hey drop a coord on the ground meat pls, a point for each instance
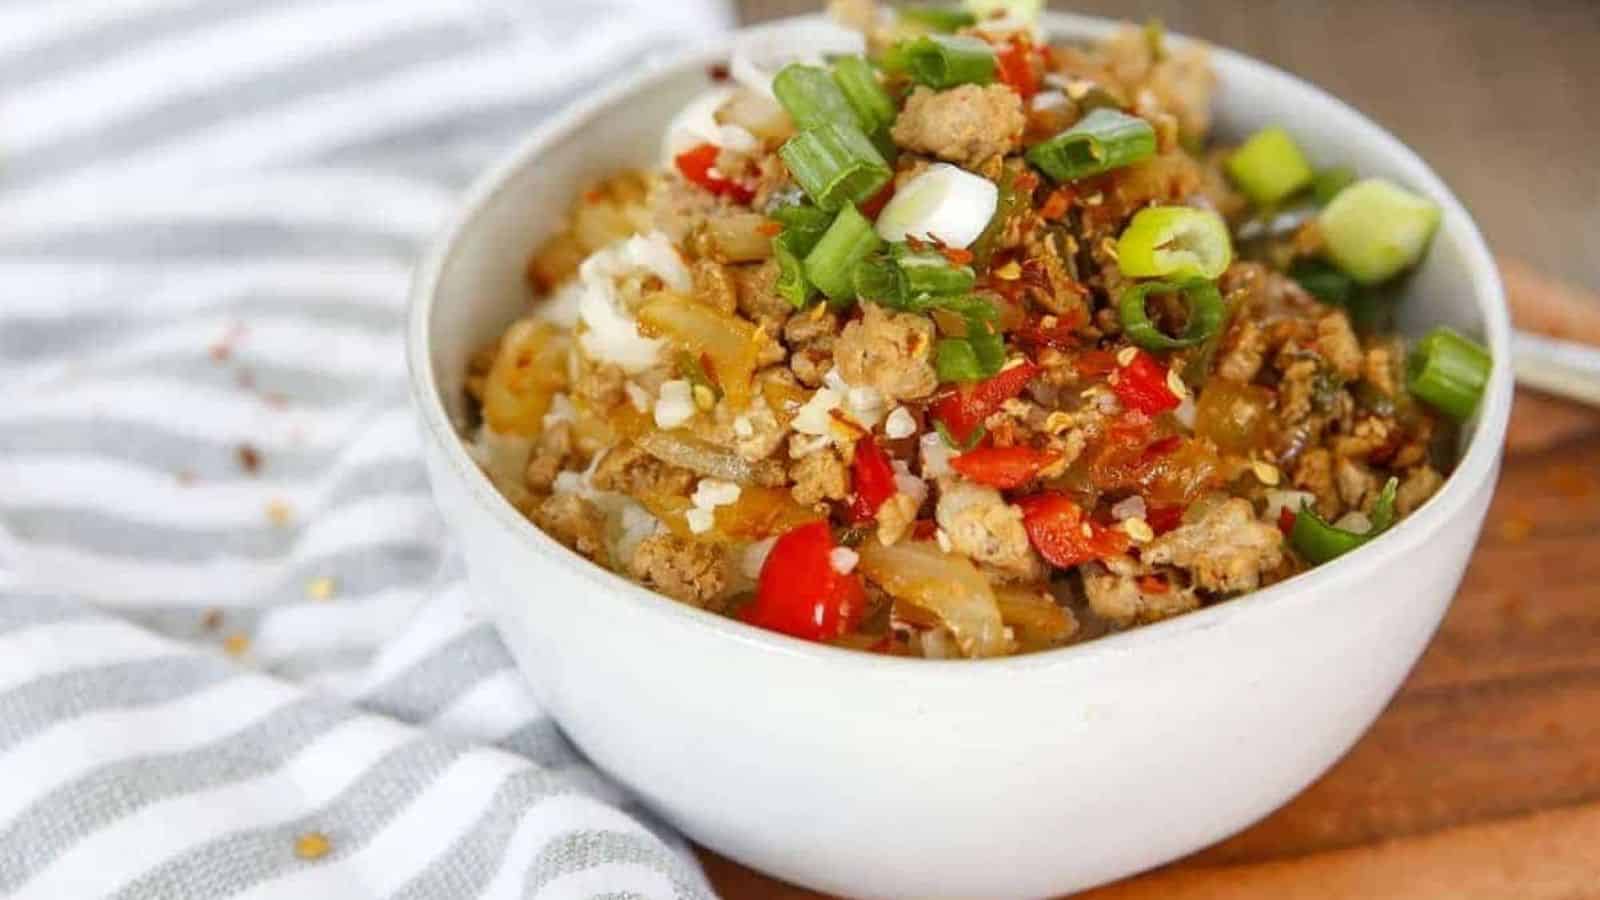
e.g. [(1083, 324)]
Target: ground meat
[(1379, 370), (599, 386), (983, 526), (819, 476), (1115, 595), (764, 432), (1227, 551), (757, 296), (684, 570), (895, 518), (714, 285), (1419, 484), (575, 522), (1243, 353), (1314, 473), (1355, 482), (630, 470), (1370, 435), (1337, 344), (811, 339), (890, 351), (967, 125), (678, 207), (550, 454)]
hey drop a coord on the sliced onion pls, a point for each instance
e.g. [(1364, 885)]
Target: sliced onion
[(680, 448), (946, 585), (758, 55), (945, 202), (697, 124)]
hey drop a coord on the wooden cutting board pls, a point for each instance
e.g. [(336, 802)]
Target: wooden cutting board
[(1482, 778)]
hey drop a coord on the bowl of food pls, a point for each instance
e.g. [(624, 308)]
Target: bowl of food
[(961, 458)]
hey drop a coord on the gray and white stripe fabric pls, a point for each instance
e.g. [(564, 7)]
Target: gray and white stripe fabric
[(230, 621)]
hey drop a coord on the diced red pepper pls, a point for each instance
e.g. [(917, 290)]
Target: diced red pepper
[(1063, 535), (878, 201), (696, 165), (1163, 519), (874, 478), (963, 409), (1286, 517), (1015, 63), (1095, 362), (1142, 385), (800, 593), (1002, 467)]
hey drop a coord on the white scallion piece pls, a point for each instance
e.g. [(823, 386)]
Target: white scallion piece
[(945, 202)]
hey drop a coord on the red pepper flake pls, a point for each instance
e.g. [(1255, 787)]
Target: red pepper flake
[(770, 228), (1057, 204), (249, 458), (1286, 517), (956, 255), (698, 166), (718, 72), (1163, 519), (1015, 64), (1153, 584), (593, 196)]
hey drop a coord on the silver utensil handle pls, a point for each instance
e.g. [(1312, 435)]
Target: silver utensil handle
[(1558, 367)]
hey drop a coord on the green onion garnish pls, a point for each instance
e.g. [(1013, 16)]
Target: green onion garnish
[(1174, 242), (973, 438), (1327, 183), (944, 60), (831, 264), (937, 18), (1448, 372), (874, 108), (1103, 140), (956, 360), (987, 345), (881, 280), (1269, 167), (1318, 542), (1374, 230), (811, 97), (1206, 312), (929, 272), (803, 226), (835, 164), (1323, 281)]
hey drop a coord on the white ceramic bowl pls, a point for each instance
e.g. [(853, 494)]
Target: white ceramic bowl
[(866, 775)]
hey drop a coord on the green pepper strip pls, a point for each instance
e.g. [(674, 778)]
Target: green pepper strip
[(1317, 541), (1206, 312)]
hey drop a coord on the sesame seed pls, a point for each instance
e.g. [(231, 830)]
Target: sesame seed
[(320, 588), (1138, 529), (278, 513), (1126, 355), (312, 845), (236, 645), (1009, 272), (1175, 384), (704, 398)]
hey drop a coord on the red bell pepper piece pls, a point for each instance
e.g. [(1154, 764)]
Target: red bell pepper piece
[(1063, 535), (878, 201), (963, 409), (799, 592), (1163, 519), (1142, 385), (696, 165), (1002, 467), (873, 477), (1015, 64)]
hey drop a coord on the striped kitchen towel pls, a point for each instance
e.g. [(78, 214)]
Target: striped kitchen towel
[(235, 655)]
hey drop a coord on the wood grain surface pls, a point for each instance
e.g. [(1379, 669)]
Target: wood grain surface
[(1482, 778)]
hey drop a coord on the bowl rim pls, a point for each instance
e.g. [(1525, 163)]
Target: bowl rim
[(1479, 463)]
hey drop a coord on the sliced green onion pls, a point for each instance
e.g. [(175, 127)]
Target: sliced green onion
[(881, 280), (1374, 230), (831, 265), (803, 226), (806, 221), (874, 108), (987, 345), (1323, 281), (955, 360), (1317, 541), (1269, 167), (1206, 312), (835, 164), (945, 60), (811, 96), (1329, 182), (1103, 140), (929, 272), (1448, 372), (1175, 242), (937, 18)]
